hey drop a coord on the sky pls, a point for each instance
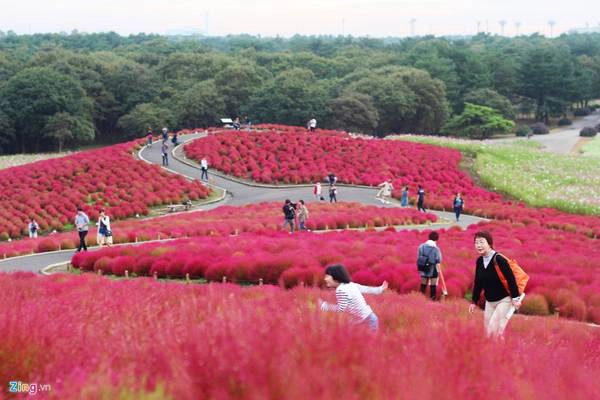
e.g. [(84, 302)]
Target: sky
[(375, 18)]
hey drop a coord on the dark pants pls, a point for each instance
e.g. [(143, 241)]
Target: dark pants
[(204, 174), (82, 245), (420, 206), (457, 211), (332, 198), (165, 159)]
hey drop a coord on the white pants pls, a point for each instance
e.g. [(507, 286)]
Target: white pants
[(495, 316)]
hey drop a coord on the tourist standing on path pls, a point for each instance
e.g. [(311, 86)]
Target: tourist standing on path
[(331, 179), (385, 192), (165, 135), (204, 168), (429, 258), (421, 199), (404, 197), (349, 297), (499, 303), (458, 205), (332, 194), (302, 215), (33, 229), (104, 232), (289, 214), (149, 135), (82, 224), (317, 190), (312, 125), (165, 153), (174, 139)]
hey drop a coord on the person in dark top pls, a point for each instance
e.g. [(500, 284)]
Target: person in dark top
[(421, 199), (499, 303), (289, 213), (331, 179), (458, 205), (429, 258)]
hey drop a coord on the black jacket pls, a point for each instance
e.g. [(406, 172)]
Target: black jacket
[(487, 279)]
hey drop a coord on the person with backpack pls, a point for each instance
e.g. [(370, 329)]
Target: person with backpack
[(494, 275), (104, 232), (332, 194), (421, 199), (404, 197), (82, 225), (458, 205), (33, 229), (349, 296), (289, 213), (429, 258)]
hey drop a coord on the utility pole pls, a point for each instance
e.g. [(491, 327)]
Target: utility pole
[(502, 23), (412, 27), (551, 23)]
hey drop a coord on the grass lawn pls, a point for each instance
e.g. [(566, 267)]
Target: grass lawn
[(521, 171), (592, 148)]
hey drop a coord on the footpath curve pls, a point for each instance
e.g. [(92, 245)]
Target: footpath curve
[(238, 193)]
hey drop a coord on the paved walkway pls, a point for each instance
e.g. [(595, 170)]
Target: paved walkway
[(238, 194)]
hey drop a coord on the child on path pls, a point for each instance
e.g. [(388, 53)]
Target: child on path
[(349, 297), (499, 303)]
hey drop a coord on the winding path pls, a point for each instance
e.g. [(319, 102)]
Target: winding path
[(238, 193)]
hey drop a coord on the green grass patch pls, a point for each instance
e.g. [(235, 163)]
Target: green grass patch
[(592, 148), (519, 170)]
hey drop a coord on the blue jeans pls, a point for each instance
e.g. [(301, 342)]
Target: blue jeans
[(372, 321)]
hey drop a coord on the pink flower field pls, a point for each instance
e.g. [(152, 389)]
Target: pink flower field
[(89, 337), (563, 266), (227, 220), (109, 178)]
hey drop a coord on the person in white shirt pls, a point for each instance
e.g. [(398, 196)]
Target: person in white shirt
[(349, 297), (312, 125), (385, 192), (204, 168), (33, 229)]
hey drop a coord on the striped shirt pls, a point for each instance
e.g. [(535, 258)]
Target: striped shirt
[(350, 299)]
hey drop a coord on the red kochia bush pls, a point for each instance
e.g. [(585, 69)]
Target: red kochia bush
[(223, 341)]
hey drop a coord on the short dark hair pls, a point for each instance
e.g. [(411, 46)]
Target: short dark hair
[(485, 235), (287, 201), (302, 201), (339, 273), (79, 208), (434, 236)]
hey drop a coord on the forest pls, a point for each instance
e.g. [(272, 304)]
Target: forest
[(64, 90)]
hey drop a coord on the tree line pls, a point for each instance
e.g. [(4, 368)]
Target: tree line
[(67, 89)]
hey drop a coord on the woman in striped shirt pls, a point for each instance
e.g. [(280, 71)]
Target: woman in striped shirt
[(349, 296)]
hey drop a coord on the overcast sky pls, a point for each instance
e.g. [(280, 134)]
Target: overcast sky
[(286, 17)]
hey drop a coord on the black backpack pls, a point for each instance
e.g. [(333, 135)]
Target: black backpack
[(423, 260), (289, 211)]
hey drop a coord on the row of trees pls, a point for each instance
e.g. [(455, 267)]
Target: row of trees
[(57, 89)]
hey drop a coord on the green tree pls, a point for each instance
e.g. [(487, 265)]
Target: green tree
[(200, 106), (62, 127), (144, 116), (237, 83), (353, 112), (492, 99), (7, 132), (478, 122)]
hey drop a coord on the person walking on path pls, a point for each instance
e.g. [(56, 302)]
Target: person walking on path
[(331, 179), (289, 214), (429, 258), (165, 154), (165, 135), (149, 135), (349, 297), (500, 303), (385, 192), (458, 205), (421, 199), (312, 124), (82, 222), (404, 197), (104, 232), (204, 168), (332, 194), (302, 215), (317, 191), (33, 229), (174, 139)]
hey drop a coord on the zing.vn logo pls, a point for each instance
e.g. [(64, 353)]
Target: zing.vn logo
[(31, 388)]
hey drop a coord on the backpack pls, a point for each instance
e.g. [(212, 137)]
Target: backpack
[(289, 211), (423, 263), (521, 276)]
